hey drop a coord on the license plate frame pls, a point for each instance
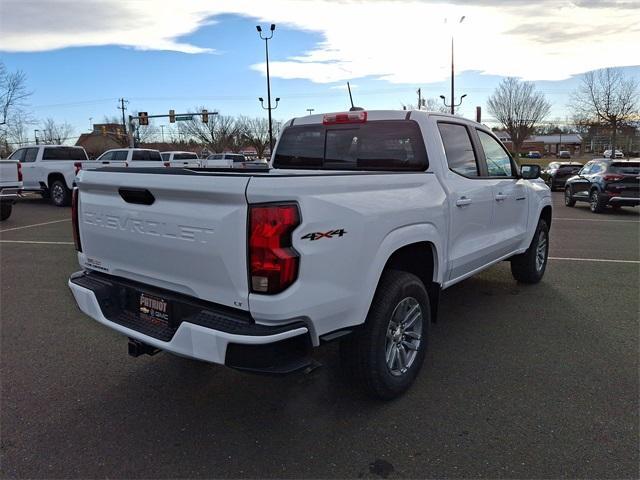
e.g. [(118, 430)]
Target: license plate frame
[(154, 309)]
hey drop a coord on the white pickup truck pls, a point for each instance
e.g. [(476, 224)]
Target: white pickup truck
[(51, 169), (10, 186), (364, 218), (180, 159), (131, 157)]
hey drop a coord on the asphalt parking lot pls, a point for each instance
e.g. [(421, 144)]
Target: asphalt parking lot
[(519, 382)]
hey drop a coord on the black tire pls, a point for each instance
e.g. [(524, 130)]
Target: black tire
[(5, 211), (596, 204), (60, 194), (529, 267), (568, 198), (364, 354)]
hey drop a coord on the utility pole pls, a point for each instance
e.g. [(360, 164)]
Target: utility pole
[(162, 129), (122, 107), (35, 134), (419, 99)]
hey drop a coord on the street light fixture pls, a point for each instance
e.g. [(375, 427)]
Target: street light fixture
[(453, 104), (311, 110), (269, 108)]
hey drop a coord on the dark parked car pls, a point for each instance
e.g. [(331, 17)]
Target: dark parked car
[(534, 154), (605, 182), (556, 174)]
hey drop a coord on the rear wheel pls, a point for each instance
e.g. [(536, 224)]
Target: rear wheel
[(530, 266), (5, 211), (568, 198), (387, 354), (596, 204), (60, 194)]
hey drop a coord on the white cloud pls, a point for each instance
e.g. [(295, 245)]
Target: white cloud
[(399, 41)]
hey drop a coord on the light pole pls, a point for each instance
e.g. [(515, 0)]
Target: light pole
[(35, 134), (453, 105), (162, 130), (266, 50), (310, 110)]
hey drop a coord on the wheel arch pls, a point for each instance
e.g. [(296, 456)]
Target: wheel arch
[(53, 176), (546, 215)]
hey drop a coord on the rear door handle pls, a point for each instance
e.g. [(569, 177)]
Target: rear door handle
[(500, 197), (462, 201)]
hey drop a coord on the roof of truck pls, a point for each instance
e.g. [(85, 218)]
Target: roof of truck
[(377, 115)]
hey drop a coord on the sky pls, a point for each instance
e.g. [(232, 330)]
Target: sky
[(80, 56)]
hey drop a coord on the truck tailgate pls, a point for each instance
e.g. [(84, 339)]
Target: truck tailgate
[(186, 234)]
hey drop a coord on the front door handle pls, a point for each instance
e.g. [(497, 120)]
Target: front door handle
[(500, 197), (462, 201)]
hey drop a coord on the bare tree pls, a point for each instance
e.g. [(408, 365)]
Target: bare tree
[(519, 108), (218, 134), (53, 133), (608, 98), (257, 134), (13, 93)]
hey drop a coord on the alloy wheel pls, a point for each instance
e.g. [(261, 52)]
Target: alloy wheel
[(404, 335)]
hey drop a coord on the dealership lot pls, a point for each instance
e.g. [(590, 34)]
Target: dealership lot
[(520, 381)]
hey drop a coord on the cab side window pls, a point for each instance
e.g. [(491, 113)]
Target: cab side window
[(107, 157), (458, 149), (18, 155), (30, 155), (498, 160)]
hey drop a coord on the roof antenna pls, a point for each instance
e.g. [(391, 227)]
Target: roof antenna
[(353, 108)]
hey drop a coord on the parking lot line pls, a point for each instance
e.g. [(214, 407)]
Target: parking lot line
[(34, 225), (593, 260), (594, 220), (36, 242)]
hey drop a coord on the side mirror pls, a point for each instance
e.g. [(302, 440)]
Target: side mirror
[(530, 172)]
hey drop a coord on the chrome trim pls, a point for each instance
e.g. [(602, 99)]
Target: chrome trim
[(624, 199)]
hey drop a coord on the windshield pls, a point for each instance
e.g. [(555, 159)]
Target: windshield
[(629, 168), (376, 145)]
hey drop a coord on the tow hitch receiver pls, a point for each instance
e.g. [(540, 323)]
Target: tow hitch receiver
[(137, 348)]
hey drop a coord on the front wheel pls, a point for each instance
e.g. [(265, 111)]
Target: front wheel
[(5, 211), (60, 194), (529, 267), (568, 198), (387, 354)]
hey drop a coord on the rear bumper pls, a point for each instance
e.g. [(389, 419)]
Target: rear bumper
[(212, 334), (9, 195)]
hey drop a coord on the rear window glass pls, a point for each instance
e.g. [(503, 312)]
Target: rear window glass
[(165, 156), (64, 153), (236, 158), (632, 168), (146, 155), (184, 156), (376, 145)]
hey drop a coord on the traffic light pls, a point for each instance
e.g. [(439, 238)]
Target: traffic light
[(205, 116), (144, 118), (172, 116)]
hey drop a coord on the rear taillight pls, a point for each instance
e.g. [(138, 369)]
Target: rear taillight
[(273, 262), (347, 117), (167, 164), (75, 205), (78, 167), (19, 165), (613, 178)]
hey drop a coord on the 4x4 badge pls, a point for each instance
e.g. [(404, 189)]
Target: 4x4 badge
[(319, 235)]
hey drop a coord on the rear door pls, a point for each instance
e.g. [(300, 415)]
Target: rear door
[(30, 174), (184, 233), (470, 202), (510, 214)]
